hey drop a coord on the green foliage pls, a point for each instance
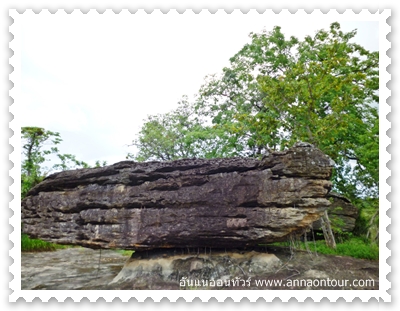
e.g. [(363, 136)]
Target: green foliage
[(351, 246), (100, 164), (37, 145), (179, 134), (354, 247), (276, 91), (367, 223), (322, 90), (68, 162), (336, 224), (36, 245), (34, 141)]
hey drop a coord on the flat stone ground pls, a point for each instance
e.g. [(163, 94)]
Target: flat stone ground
[(70, 268), (78, 268)]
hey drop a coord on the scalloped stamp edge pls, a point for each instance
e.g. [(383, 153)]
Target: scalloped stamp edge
[(380, 16)]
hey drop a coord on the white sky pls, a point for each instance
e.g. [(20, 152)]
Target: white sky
[(94, 78)]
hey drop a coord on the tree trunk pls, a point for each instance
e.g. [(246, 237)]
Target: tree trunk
[(327, 230)]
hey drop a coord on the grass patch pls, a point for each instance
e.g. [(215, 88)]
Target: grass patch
[(353, 247), (125, 252), (36, 245)]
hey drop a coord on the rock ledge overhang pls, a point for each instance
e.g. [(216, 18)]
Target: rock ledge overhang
[(231, 203)]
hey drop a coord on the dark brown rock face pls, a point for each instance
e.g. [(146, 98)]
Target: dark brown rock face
[(342, 214), (217, 203)]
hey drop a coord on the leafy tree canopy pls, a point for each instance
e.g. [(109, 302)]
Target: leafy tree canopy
[(37, 145), (277, 90), (181, 133)]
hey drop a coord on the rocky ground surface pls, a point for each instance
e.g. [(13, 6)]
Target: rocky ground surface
[(78, 268), (70, 268)]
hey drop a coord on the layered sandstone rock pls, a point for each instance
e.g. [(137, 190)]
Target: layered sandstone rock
[(217, 203)]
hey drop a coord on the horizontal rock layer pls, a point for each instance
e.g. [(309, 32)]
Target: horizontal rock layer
[(228, 203)]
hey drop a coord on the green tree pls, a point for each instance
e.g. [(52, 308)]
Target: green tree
[(181, 133), (37, 145), (322, 90)]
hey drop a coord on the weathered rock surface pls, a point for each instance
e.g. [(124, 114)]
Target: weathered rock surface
[(214, 203), (87, 269), (342, 213), (195, 268), (70, 269), (258, 268)]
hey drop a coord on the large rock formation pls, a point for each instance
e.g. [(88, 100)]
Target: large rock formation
[(218, 203)]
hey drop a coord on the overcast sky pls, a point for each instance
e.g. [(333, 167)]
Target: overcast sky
[(94, 78)]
